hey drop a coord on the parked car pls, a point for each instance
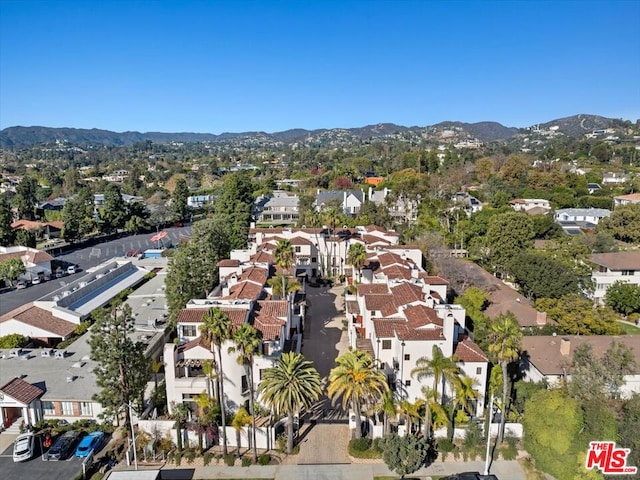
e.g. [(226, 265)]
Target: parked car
[(63, 446), (23, 447), (90, 442), (470, 476), (21, 284), (71, 269), (59, 273), (35, 280)]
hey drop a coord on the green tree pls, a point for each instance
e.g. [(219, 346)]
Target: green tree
[(618, 361), (180, 415), (540, 276), (357, 256), (356, 380), (623, 223), (14, 340), (508, 235), (114, 211), (505, 343), (552, 422), (278, 281), (623, 297), (7, 234), (193, 268), (628, 428), (179, 208), (237, 188), (247, 344), (284, 258), (577, 315), (26, 238), (241, 419), (216, 330), (122, 369), (442, 369), (11, 269), (587, 375), (404, 455), (26, 197), (293, 384)]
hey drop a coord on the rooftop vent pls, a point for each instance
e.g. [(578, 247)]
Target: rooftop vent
[(60, 353)]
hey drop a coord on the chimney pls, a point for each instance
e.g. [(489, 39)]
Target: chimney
[(565, 347), (541, 318)]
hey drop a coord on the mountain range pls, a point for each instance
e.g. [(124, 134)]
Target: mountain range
[(20, 137)]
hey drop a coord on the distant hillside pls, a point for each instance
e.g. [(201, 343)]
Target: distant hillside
[(485, 131), (20, 137)]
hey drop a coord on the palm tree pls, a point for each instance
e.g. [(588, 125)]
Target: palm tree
[(156, 366), (215, 330), (240, 420), (209, 369), (389, 408), (356, 380), (291, 385), (435, 414), (463, 394), (442, 369), (284, 258), (356, 256), (410, 411), (248, 344), (180, 415), (277, 282), (204, 405), (505, 343)]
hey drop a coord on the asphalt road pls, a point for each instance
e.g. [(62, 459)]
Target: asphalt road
[(86, 258)]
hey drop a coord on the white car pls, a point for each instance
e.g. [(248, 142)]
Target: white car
[(23, 447), (71, 269)]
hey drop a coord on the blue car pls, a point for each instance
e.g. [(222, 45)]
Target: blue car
[(88, 443)]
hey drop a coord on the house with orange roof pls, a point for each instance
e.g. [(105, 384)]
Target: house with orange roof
[(628, 199)]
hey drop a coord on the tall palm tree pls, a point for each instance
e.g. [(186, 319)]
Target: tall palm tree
[(180, 415), (389, 408), (356, 256), (215, 330), (442, 369), (291, 385), (505, 343), (248, 344), (410, 411), (204, 406), (284, 258), (290, 286), (209, 369), (463, 394), (356, 380)]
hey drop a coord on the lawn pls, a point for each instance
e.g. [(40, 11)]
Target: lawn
[(629, 329)]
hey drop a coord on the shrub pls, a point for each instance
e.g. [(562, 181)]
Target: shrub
[(190, 455), (246, 461), (13, 340), (229, 460), (509, 449), (445, 445), (206, 458), (82, 328), (177, 458), (360, 444), (264, 459)]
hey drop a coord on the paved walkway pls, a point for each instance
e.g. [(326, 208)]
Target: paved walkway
[(325, 444), (505, 470), (6, 441)]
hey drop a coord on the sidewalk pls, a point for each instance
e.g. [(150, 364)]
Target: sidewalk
[(504, 470)]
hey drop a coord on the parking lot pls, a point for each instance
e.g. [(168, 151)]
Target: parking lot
[(37, 468)]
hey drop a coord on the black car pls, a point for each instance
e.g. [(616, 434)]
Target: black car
[(63, 446), (470, 476)]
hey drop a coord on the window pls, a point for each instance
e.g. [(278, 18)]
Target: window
[(85, 409), (48, 408), (298, 249), (478, 370), (407, 383), (628, 272), (314, 259), (67, 408), (407, 357), (245, 384), (189, 331), (386, 344)]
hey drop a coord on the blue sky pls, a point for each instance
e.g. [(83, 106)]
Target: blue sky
[(216, 66)]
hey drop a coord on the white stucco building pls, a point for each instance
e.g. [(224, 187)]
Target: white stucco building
[(614, 267)]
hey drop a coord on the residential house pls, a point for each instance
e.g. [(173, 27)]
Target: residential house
[(199, 201), (614, 178), (548, 358), (614, 267), (349, 201), (526, 204), (279, 208), (574, 220), (36, 262), (467, 202), (629, 199), (117, 176), (400, 208), (43, 230)]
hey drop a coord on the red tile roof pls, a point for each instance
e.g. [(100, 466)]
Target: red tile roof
[(245, 291), (228, 263), (382, 303), (405, 292), (421, 315), (300, 241), (194, 315), (353, 307), (387, 259), (21, 391), (396, 272), (196, 342), (255, 274), (388, 328), (618, 260), (40, 318), (270, 327), (371, 239), (468, 351), (367, 288), (433, 279), (273, 308), (262, 257)]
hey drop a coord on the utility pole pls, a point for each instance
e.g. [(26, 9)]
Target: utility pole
[(490, 414)]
